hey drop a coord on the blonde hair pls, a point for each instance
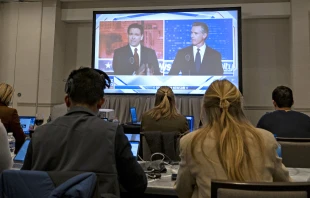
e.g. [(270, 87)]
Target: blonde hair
[(222, 102), (6, 93), (164, 104)]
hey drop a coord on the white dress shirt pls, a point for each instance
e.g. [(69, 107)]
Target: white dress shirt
[(139, 51), (201, 52)]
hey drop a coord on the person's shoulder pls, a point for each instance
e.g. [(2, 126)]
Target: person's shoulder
[(121, 49), (267, 136), (300, 114), (186, 49), (147, 49), (268, 115), (187, 139), (213, 51)]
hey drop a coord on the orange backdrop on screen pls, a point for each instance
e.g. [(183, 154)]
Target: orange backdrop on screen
[(113, 35)]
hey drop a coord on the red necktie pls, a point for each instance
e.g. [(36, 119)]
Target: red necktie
[(136, 57)]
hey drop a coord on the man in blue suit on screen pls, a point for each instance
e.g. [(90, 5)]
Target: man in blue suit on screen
[(197, 59), (134, 58)]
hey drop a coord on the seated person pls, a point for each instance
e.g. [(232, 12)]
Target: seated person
[(9, 116), (164, 116), (5, 154), (81, 141), (284, 122), (227, 148)]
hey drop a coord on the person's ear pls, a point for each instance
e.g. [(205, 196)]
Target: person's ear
[(100, 103), (204, 36), (141, 37), (67, 101), (274, 103)]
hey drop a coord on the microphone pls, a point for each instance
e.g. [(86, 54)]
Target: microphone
[(187, 57), (131, 60)]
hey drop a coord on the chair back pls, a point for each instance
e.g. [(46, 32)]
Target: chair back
[(160, 142), (224, 189), (37, 184), (295, 151)]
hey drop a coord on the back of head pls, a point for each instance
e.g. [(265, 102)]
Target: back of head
[(6, 93), (164, 104), (283, 96), (222, 103), (86, 86)]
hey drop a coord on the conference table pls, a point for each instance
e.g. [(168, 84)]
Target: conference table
[(165, 186)]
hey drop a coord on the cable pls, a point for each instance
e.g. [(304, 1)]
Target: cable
[(161, 154), (141, 158)]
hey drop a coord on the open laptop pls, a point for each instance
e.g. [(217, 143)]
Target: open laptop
[(134, 148), (27, 123), (134, 118), (133, 137), (20, 156), (190, 121)]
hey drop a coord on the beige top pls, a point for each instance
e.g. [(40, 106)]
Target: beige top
[(194, 180)]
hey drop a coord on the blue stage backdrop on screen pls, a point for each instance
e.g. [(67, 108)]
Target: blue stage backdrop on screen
[(178, 36)]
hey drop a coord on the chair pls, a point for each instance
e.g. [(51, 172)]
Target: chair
[(224, 189), (295, 152), (37, 184), (160, 142)]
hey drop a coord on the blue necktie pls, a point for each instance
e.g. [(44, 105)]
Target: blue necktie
[(197, 60)]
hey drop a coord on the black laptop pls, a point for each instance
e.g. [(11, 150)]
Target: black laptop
[(134, 148)]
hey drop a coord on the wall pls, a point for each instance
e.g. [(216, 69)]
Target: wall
[(20, 51), (266, 53), (275, 48), (32, 58)]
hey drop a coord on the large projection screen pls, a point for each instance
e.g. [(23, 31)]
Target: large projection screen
[(186, 49)]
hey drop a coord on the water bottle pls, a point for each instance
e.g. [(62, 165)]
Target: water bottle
[(11, 140)]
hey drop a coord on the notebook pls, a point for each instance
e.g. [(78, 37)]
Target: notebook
[(190, 121), (134, 118), (134, 147), (27, 123), (20, 156)]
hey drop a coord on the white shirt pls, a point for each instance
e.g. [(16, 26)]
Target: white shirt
[(201, 52), (139, 51)]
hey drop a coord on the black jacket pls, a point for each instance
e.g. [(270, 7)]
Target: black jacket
[(184, 62), (123, 60), (80, 141)]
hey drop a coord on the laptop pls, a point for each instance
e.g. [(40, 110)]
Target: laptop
[(134, 118), (133, 137), (20, 156), (134, 148), (190, 121), (27, 123)]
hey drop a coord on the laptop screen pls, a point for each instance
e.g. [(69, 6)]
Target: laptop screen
[(133, 137), (20, 157), (134, 147), (27, 123), (190, 121), (133, 114)]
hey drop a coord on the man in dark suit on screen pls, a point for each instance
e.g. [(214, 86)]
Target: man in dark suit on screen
[(197, 59), (134, 58)]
